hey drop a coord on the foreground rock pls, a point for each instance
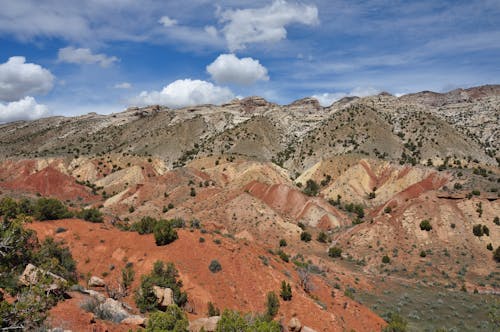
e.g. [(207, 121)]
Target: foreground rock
[(204, 324), (33, 275), (96, 282), (165, 296)]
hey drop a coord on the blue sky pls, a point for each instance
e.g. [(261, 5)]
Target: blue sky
[(74, 57)]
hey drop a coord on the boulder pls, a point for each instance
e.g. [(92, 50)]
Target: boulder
[(96, 282), (134, 320), (165, 296), (114, 310), (307, 329), (294, 325), (32, 275), (93, 293), (208, 324)]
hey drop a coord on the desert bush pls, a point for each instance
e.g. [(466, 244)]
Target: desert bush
[(173, 319), (55, 257), (496, 254), (480, 230), (396, 323), (128, 275), (283, 243), (233, 321), (215, 266), (312, 188), (51, 209), (272, 305), (386, 259), (8, 208), (425, 225), (335, 252), (322, 237), (164, 232), (162, 275), (144, 226), (286, 291), (284, 256), (305, 236), (92, 215), (212, 310)]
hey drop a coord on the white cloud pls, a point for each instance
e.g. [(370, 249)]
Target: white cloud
[(326, 99), (183, 93), (19, 79), (124, 85), (266, 24), (24, 109), (211, 31), (167, 21), (228, 68), (84, 56)]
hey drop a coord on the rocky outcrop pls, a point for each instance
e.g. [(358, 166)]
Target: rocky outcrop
[(96, 282), (165, 296), (294, 325), (207, 324), (33, 275)]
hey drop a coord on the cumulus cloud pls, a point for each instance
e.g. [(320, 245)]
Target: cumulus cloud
[(326, 99), (124, 85), (228, 68), (167, 21), (84, 56), (266, 24), (19, 79), (183, 93), (24, 109)]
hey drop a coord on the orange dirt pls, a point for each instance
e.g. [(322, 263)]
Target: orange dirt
[(242, 284), (23, 176)]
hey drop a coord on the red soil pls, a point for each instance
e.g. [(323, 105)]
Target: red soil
[(242, 284), (290, 201), (22, 176)]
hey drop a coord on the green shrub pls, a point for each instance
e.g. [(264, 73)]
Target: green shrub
[(335, 252), (305, 236), (54, 257), (51, 209), (92, 215), (164, 232), (312, 188), (322, 237), (213, 310), (144, 226), (496, 254), (173, 319), (425, 225), (386, 259), (233, 321), (162, 276), (128, 275), (480, 230), (272, 305), (283, 243), (286, 291), (388, 209), (396, 323), (284, 256), (215, 266), (8, 208), (32, 303), (423, 253), (489, 246)]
